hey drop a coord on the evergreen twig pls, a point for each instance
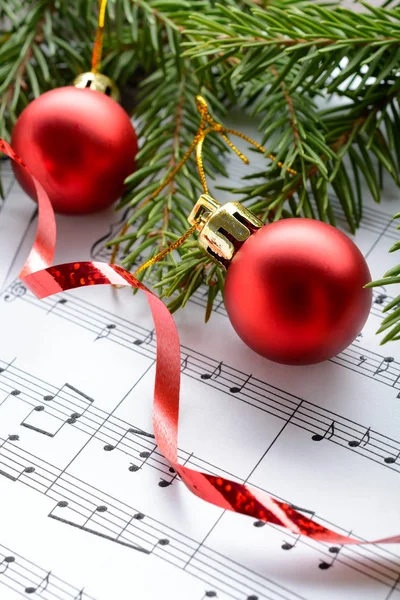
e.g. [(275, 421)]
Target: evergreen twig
[(277, 59)]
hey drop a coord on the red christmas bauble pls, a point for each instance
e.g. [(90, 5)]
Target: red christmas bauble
[(80, 145), (294, 291)]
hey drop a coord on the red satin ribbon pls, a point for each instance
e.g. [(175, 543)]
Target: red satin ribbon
[(44, 280)]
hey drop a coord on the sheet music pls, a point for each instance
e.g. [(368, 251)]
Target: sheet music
[(89, 507)]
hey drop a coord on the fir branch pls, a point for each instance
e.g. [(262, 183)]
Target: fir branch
[(171, 98), (276, 58)]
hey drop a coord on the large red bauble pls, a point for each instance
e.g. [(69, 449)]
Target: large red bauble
[(294, 291), (80, 145)]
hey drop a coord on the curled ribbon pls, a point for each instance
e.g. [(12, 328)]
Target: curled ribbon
[(44, 280)]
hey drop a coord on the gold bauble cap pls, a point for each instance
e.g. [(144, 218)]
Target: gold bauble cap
[(222, 228), (99, 83)]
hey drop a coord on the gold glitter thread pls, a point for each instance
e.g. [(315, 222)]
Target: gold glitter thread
[(197, 145), (173, 172), (199, 162), (168, 250), (98, 43)]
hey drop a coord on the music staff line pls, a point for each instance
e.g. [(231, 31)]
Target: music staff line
[(130, 527), (61, 404), (26, 578), (48, 479), (361, 360), (97, 320), (154, 542), (279, 404), (217, 366), (99, 338)]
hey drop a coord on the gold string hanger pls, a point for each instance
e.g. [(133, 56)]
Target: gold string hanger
[(94, 79), (99, 39), (207, 125)]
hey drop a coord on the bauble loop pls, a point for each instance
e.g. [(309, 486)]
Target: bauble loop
[(295, 291), (80, 145)]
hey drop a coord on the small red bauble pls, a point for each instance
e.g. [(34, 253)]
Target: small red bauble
[(295, 292), (80, 144)]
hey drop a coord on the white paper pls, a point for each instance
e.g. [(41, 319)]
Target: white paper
[(88, 506)]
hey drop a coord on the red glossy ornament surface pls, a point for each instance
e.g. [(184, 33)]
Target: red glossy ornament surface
[(80, 144), (294, 291)]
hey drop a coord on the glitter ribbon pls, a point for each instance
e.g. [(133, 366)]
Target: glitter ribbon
[(44, 280)]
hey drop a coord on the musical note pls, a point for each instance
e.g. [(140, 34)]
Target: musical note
[(210, 594), (60, 504), (259, 523), (12, 393), (162, 542), (147, 340), (252, 597), (60, 302), (216, 373), (105, 332), (50, 425), (138, 516), (237, 389), (184, 364), (50, 397), (328, 433), (324, 565), (111, 447), (390, 460), (288, 546), (364, 440), (362, 360), (7, 561), (10, 438), (380, 299), (133, 468), (99, 509), (41, 587), (73, 418), (133, 431), (163, 483), (39, 408), (25, 470), (384, 365)]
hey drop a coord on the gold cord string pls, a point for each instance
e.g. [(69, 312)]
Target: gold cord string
[(197, 145), (167, 250), (98, 42)]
